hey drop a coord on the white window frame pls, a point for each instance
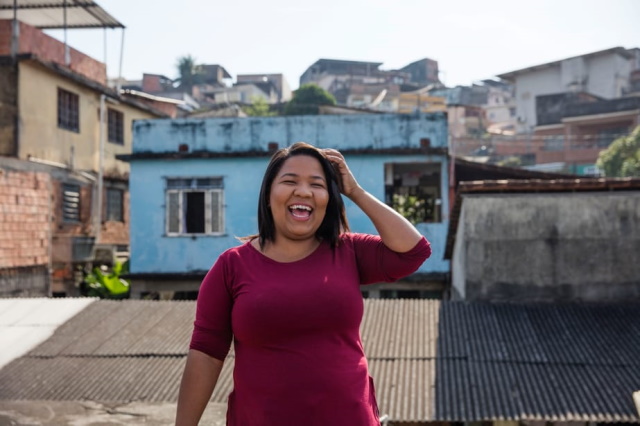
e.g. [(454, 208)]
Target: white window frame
[(209, 228)]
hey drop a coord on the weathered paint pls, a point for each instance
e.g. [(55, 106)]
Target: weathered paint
[(38, 106), (376, 131), (154, 252), (548, 247)]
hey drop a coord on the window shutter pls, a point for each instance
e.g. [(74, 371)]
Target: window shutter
[(216, 213), (173, 212)]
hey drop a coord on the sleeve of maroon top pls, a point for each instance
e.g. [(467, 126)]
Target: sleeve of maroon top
[(212, 328), (376, 262)]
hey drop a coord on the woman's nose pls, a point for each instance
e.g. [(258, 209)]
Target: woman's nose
[(302, 191)]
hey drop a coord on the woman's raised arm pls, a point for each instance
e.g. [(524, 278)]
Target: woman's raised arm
[(396, 232)]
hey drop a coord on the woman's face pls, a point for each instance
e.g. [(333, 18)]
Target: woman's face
[(299, 198)]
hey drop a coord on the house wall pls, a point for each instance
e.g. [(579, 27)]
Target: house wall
[(241, 135), (608, 75), (25, 208), (33, 40), (549, 247), (540, 82), (40, 136), (153, 252)]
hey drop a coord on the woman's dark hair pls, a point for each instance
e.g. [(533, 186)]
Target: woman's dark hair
[(335, 219)]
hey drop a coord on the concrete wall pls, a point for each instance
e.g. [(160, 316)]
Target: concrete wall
[(25, 239), (549, 247), (41, 137), (154, 252), (238, 135)]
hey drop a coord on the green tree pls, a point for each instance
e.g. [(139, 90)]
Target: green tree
[(622, 158), (306, 100), (188, 74), (258, 108)]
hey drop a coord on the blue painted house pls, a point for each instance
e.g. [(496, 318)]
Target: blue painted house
[(194, 187)]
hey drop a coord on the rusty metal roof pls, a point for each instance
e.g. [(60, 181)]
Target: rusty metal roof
[(431, 360), (49, 14)]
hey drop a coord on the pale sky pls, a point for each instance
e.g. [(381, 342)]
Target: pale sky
[(471, 39)]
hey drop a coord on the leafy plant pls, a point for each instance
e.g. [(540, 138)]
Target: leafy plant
[(307, 99), (622, 158), (105, 284), (412, 208), (259, 108)]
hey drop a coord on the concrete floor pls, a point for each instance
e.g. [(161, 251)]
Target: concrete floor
[(89, 413)]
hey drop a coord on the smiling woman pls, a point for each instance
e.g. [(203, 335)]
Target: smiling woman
[(289, 298)]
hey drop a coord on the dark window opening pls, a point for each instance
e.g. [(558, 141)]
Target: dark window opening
[(68, 111), (115, 125), (413, 190), (115, 210), (194, 212)]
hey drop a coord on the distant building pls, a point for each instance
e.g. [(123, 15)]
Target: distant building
[(607, 74), (363, 84), (278, 81), (574, 127), (158, 91), (423, 72)]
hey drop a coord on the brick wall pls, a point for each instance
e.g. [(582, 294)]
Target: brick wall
[(116, 233), (24, 232), (47, 48)]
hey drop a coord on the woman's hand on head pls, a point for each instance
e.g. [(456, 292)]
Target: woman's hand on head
[(348, 184)]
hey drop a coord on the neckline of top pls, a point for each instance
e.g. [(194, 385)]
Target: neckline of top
[(277, 262)]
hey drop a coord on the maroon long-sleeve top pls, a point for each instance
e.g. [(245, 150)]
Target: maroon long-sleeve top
[(299, 358)]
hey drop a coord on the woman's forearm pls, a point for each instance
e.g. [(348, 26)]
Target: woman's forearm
[(198, 381), (396, 232)]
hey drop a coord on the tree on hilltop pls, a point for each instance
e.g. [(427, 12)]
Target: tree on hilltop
[(259, 108), (188, 73), (307, 99)]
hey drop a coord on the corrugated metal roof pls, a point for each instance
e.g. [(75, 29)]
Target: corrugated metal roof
[(25, 323), (124, 328), (431, 360), (49, 14), (561, 362)]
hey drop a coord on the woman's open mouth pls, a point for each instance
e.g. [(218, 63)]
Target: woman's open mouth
[(300, 211)]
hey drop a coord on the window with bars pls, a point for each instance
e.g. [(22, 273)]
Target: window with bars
[(115, 207), (115, 126), (70, 203), (194, 206), (68, 111)]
